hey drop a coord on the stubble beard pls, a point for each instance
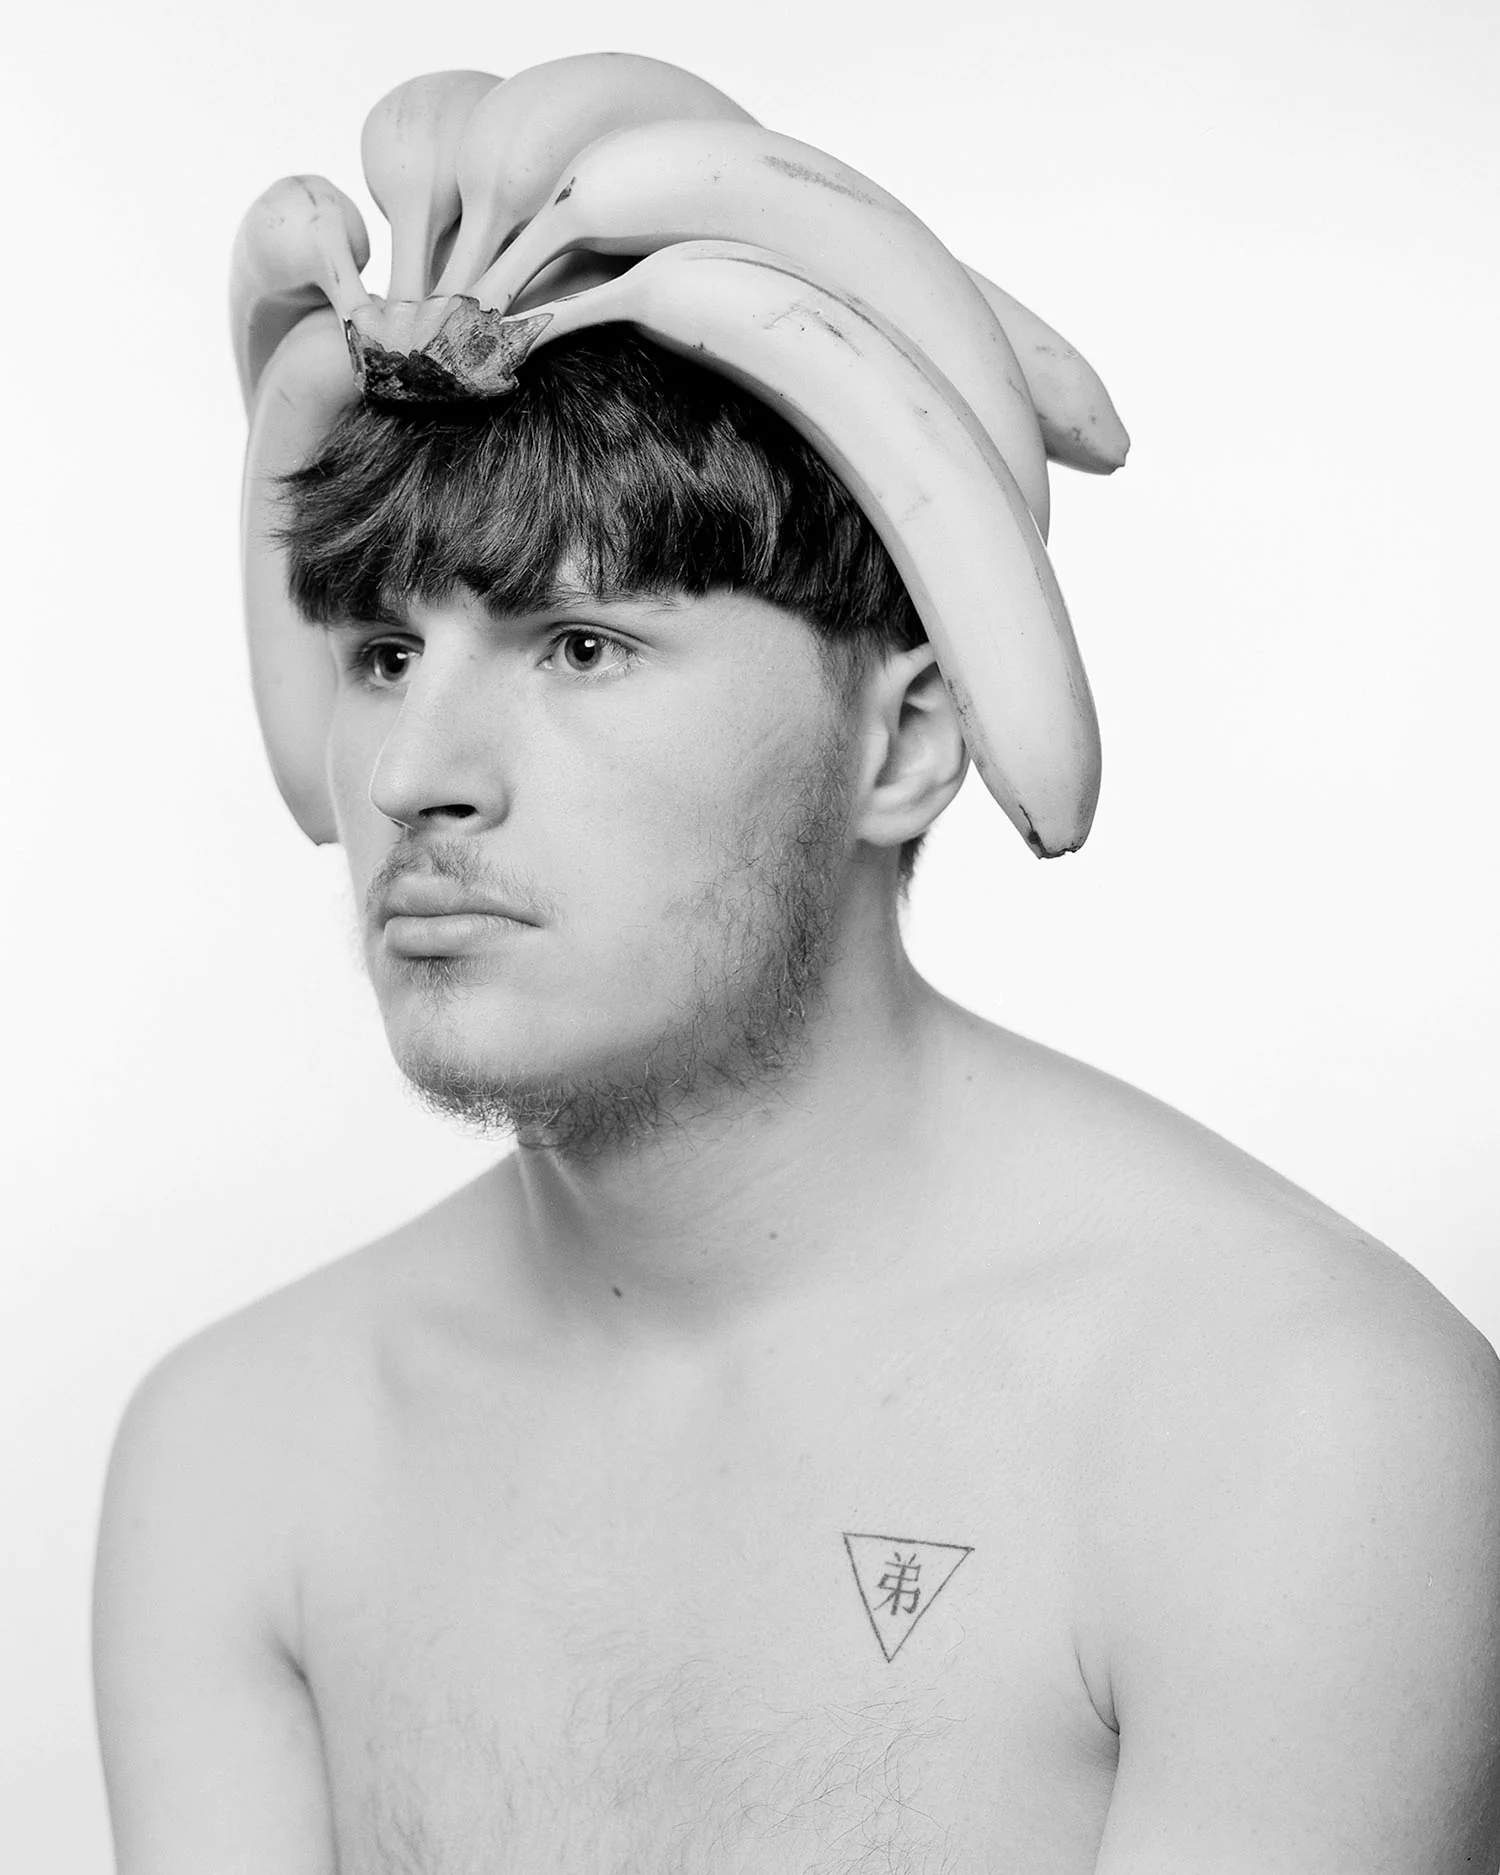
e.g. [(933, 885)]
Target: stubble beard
[(764, 933)]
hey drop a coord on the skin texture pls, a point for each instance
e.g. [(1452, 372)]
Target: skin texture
[(606, 1515)]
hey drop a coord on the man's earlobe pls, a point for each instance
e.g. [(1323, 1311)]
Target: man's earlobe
[(915, 749)]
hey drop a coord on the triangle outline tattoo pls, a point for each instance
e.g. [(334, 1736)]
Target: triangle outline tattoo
[(894, 1597)]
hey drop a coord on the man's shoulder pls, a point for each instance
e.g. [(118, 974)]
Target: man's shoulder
[(1193, 1265), (1248, 1327), (1164, 1200), (294, 1363), (1240, 1313)]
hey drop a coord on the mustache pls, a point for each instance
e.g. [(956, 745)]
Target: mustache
[(457, 862)]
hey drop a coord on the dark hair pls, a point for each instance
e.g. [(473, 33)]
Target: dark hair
[(650, 473)]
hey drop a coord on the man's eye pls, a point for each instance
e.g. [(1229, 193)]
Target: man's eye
[(590, 658), (382, 662)]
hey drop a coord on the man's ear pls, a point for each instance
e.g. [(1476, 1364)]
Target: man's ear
[(914, 755)]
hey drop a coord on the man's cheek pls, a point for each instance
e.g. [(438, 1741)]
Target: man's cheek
[(693, 796), (656, 817)]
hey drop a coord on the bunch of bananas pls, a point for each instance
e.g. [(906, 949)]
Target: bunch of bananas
[(609, 187)]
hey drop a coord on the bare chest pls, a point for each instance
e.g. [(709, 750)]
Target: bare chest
[(819, 1618)]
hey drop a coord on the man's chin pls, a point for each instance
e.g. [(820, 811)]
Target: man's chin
[(580, 1113), (640, 1090)]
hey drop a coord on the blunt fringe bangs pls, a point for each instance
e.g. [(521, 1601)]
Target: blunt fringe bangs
[(640, 471)]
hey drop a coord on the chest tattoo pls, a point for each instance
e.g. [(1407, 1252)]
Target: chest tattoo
[(899, 1578)]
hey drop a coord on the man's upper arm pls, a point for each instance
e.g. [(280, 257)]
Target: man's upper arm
[(1305, 1633), (211, 1750)]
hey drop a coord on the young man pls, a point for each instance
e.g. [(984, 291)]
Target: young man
[(843, 1435)]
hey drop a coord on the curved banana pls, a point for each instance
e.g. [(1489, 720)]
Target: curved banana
[(304, 388), (409, 150), (902, 441), (523, 133), (301, 245), (640, 189), (1080, 426)]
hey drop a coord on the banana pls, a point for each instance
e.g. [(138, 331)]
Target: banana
[(572, 274), (900, 438), (409, 149), (1080, 426), (301, 245), (524, 131), (639, 189), (302, 391)]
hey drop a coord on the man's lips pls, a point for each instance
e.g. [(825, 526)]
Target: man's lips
[(427, 897), (424, 916)]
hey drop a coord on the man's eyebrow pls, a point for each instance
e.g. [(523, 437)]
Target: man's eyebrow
[(393, 617), (563, 598)]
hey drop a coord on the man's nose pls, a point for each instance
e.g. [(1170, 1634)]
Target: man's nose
[(444, 755)]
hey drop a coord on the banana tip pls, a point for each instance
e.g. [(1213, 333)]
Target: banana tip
[(1053, 850)]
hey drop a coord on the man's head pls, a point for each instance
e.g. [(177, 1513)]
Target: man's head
[(679, 800)]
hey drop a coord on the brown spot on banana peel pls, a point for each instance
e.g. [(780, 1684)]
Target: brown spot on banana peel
[(888, 334), (801, 172), (1077, 448), (800, 312), (963, 705)]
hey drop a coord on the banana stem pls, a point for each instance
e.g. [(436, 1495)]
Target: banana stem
[(480, 239), (338, 271), (411, 255), (518, 264)]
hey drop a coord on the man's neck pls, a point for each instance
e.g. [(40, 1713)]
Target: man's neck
[(823, 1183)]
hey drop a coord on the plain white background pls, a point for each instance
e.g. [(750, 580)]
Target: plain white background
[(1271, 228)]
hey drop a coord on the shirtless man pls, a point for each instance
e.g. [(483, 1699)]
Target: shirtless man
[(843, 1435)]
